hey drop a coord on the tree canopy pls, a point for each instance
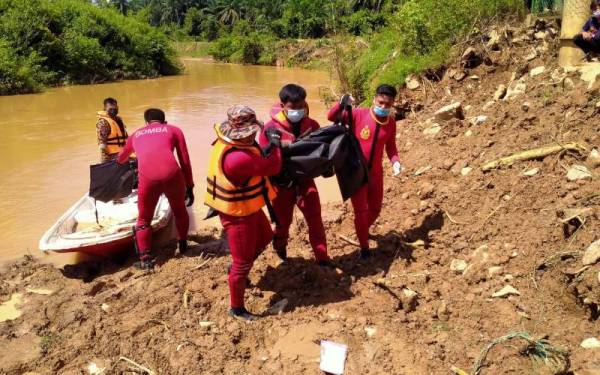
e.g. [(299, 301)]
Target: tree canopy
[(48, 42)]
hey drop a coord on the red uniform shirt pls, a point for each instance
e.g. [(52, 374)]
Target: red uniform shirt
[(364, 130), (154, 145)]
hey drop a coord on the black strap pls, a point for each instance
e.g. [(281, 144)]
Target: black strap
[(270, 209), (211, 213), (214, 193), (117, 140), (96, 213), (372, 155), (212, 183), (296, 127)]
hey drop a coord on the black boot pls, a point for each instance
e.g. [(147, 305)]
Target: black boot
[(183, 246), (326, 264), (365, 253), (146, 263), (282, 253), (242, 314)]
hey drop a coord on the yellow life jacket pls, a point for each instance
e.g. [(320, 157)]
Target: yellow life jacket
[(116, 139), (226, 197)]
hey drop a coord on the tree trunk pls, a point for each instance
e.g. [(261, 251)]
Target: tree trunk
[(575, 14)]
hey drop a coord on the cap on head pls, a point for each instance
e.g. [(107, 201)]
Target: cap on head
[(241, 123), (154, 115)]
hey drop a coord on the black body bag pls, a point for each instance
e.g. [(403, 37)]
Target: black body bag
[(111, 180), (330, 149)]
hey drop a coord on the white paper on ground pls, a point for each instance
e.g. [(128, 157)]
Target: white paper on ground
[(333, 357)]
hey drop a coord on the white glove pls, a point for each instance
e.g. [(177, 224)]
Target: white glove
[(397, 168)]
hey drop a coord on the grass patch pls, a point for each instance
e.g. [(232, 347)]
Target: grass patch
[(193, 49), (419, 36)]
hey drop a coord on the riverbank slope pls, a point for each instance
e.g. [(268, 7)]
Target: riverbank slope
[(415, 309)]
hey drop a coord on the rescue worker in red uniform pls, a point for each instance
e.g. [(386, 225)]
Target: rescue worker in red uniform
[(290, 116), (159, 173), (375, 129), (238, 188), (112, 133)]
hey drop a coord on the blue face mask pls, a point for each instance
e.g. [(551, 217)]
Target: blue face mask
[(381, 112), (295, 115), (596, 13)]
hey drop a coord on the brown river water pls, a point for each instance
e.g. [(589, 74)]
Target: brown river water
[(49, 139)]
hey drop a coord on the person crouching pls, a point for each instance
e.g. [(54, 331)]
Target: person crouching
[(159, 174), (238, 188)]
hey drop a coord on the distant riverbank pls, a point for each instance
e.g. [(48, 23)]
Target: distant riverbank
[(300, 53)]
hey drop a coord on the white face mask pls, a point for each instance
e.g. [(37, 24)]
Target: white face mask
[(295, 115)]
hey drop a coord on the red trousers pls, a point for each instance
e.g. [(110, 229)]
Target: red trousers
[(306, 197), (247, 237), (367, 206), (148, 193)]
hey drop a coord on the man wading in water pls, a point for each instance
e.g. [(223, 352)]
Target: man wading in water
[(111, 130)]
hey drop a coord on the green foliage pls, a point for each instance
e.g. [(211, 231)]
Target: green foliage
[(193, 22), (19, 74), (419, 36), (242, 45), (285, 18), (363, 22), (47, 42), (198, 24)]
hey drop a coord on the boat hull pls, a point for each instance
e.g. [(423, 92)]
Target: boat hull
[(114, 238)]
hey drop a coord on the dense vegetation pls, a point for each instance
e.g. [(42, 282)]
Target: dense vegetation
[(395, 37), (50, 42), (46, 42), (417, 37)]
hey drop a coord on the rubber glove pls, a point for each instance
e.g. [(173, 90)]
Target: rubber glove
[(397, 168), (347, 100), (274, 136), (189, 196)]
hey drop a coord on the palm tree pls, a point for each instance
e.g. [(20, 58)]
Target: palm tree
[(229, 14), (121, 5), (367, 4)]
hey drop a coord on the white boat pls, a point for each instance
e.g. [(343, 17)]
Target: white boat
[(100, 229)]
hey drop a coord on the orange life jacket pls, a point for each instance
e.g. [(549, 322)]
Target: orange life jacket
[(225, 196), (117, 138)]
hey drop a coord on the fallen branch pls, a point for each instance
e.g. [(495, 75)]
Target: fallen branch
[(186, 298), (137, 365), (450, 218), (458, 371), (348, 240), (201, 264), (202, 257), (537, 153), (418, 244), (541, 352)]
